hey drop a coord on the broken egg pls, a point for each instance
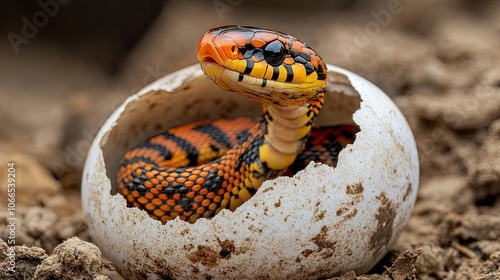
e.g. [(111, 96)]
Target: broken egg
[(319, 223)]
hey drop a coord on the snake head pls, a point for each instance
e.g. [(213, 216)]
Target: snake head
[(265, 65)]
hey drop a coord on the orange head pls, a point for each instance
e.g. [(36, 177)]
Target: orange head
[(265, 65)]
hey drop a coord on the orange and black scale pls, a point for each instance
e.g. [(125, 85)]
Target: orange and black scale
[(324, 145), (150, 178)]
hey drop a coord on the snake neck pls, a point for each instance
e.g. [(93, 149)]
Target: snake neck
[(285, 133)]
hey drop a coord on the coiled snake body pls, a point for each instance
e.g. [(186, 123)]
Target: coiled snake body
[(196, 170)]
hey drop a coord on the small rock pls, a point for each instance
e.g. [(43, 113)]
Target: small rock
[(40, 224), (404, 266), (73, 259), (26, 261)]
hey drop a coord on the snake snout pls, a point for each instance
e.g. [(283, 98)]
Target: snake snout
[(207, 52)]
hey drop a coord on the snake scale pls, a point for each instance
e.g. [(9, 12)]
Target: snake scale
[(197, 169)]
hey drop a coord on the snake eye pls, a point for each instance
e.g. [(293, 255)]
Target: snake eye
[(274, 53)]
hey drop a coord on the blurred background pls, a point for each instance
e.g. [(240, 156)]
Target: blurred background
[(65, 65)]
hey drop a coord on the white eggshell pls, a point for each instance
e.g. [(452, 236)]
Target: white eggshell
[(320, 223)]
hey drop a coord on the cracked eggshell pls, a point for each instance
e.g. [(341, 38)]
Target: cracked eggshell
[(320, 223)]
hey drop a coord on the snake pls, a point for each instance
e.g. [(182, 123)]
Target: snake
[(197, 169)]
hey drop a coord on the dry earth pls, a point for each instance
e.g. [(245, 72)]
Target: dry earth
[(438, 60)]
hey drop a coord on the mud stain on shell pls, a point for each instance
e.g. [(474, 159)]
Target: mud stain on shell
[(355, 189), (409, 189), (278, 203), (324, 244), (204, 255), (157, 265), (320, 216), (227, 248), (209, 257), (341, 211), (159, 268), (385, 220), (348, 215)]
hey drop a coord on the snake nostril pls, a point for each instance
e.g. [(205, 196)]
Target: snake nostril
[(234, 49)]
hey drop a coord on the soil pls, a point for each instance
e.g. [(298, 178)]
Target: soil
[(438, 60)]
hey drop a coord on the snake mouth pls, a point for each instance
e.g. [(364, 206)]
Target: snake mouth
[(208, 59), (259, 89)]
